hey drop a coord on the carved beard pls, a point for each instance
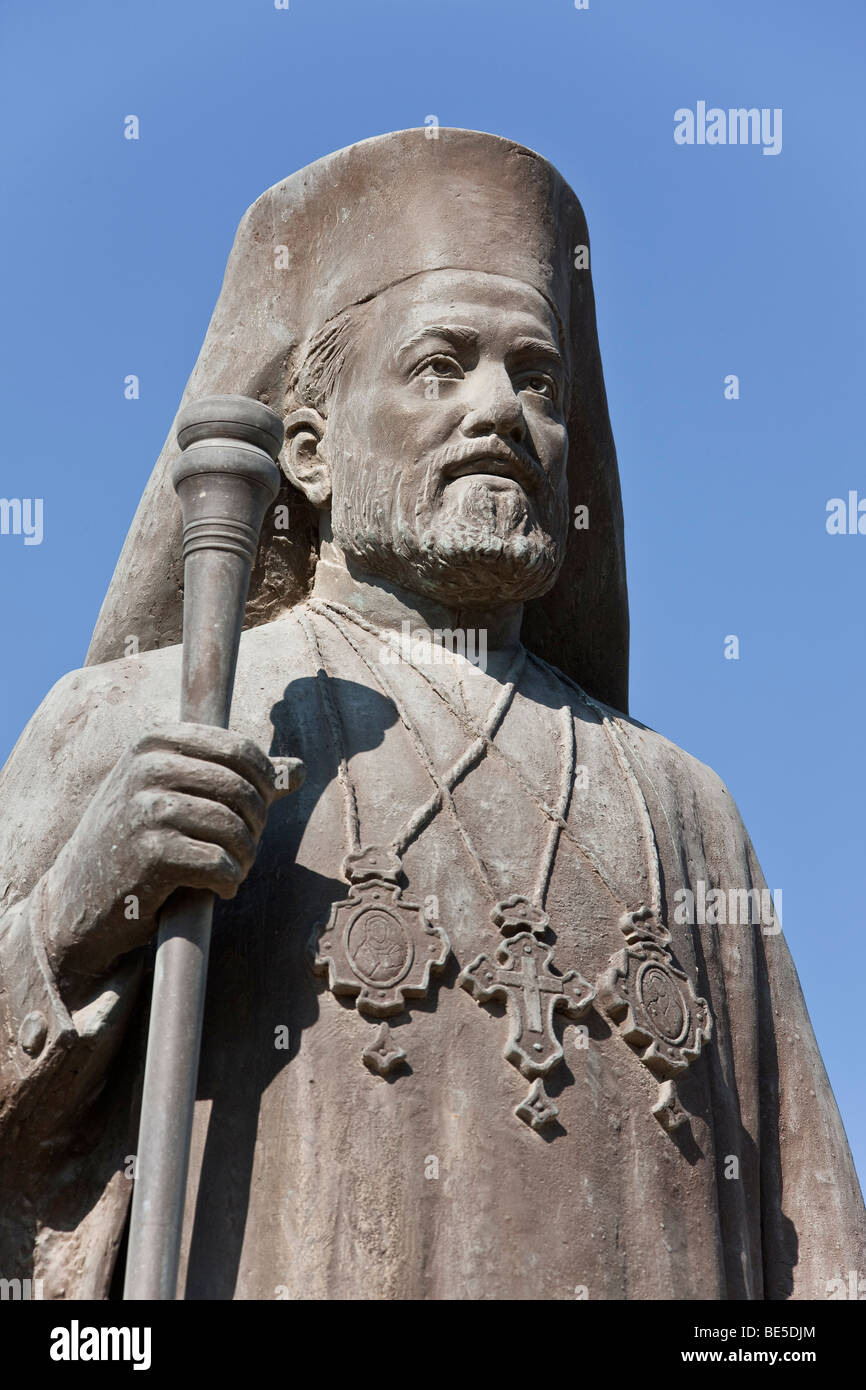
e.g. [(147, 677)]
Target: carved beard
[(460, 541)]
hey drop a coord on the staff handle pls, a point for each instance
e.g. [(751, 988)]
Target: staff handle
[(225, 478)]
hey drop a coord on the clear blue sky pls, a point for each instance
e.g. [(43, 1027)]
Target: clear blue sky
[(706, 261)]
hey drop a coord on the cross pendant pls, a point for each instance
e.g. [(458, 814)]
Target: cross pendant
[(521, 974)]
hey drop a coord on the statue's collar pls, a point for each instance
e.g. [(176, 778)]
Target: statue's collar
[(389, 606)]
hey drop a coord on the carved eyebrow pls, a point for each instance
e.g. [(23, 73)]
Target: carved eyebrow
[(454, 333), (540, 347)]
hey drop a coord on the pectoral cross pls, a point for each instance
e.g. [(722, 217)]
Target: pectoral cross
[(521, 974)]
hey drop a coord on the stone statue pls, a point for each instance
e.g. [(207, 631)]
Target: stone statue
[(461, 1040)]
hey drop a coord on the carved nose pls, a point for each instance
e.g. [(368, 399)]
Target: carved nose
[(500, 413)]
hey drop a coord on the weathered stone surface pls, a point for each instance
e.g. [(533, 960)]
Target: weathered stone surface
[(364, 1128)]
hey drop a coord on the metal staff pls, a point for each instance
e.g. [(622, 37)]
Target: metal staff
[(225, 479)]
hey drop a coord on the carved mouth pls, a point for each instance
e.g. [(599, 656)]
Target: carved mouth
[(497, 465)]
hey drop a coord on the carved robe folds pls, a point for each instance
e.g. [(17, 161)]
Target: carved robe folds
[(311, 1173)]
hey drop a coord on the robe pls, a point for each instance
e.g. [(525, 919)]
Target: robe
[(314, 1177)]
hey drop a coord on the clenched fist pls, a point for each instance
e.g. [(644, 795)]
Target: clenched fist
[(183, 808)]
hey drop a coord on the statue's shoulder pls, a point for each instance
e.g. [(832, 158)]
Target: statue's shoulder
[(96, 711), (678, 777), (91, 713), (146, 685), (74, 738), (131, 686)]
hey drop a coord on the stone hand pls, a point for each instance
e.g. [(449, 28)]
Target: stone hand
[(185, 806)]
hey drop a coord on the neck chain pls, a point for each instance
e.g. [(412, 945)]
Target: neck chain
[(482, 741), (556, 815), (381, 950)]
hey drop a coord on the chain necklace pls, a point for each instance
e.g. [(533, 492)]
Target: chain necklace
[(363, 930), (556, 815), (370, 944), (482, 742)]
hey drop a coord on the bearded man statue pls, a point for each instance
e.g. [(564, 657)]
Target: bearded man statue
[(460, 1040)]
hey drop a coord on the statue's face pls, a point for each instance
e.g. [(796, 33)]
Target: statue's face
[(447, 441)]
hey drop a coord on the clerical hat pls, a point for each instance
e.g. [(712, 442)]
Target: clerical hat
[(335, 234)]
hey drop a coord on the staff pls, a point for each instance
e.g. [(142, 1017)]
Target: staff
[(225, 479)]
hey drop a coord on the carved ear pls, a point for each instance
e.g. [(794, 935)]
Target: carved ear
[(303, 458)]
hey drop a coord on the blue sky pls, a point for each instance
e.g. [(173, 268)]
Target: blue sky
[(707, 261)]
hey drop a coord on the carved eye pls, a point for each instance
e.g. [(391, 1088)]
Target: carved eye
[(541, 384), (441, 366)]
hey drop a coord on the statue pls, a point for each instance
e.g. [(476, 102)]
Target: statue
[(461, 1039)]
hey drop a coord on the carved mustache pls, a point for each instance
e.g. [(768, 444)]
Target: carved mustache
[(498, 458)]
